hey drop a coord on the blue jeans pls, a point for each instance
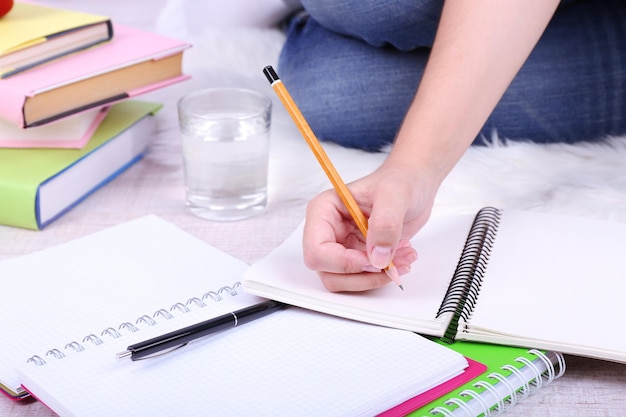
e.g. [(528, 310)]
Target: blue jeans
[(353, 68)]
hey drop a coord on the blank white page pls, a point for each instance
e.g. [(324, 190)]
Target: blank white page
[(556, 278), (282, 275)]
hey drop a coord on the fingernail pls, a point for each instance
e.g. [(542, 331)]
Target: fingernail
[(381, 256)]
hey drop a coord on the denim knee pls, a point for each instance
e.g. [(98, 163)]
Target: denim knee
[(350, 93), (571, 88), (403, 24)]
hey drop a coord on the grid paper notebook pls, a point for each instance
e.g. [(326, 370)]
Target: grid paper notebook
[(95, 296)]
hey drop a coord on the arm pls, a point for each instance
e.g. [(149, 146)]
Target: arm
[(479, 47)]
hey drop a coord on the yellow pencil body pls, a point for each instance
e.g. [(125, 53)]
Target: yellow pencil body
[(320, 154)]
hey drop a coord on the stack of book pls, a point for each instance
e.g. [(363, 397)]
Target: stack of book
[(66, 81)]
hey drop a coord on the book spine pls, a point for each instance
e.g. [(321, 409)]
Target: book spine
[(462, 293)]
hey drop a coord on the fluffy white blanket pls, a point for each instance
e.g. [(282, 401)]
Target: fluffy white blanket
[(583, 179)]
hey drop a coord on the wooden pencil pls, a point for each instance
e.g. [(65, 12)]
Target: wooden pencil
[(320, 154)]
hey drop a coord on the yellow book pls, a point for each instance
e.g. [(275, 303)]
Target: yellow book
[(33, 34)]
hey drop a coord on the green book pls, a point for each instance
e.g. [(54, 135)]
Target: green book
[(37, 186), (512, 374)]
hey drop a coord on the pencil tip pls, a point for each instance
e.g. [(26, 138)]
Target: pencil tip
[(392, 273)]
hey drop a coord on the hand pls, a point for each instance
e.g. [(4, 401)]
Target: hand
[(397, 203)]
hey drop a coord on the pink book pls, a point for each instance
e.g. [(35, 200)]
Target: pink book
[(132, 63)]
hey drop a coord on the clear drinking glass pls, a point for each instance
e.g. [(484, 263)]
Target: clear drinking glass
[(225, 141)]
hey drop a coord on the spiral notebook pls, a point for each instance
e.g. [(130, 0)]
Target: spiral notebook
[(513, 374), (76, 305), (508, 277)]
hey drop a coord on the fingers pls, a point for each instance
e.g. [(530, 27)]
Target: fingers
[(335, 248), (335, 258), (385, 226), (362, 280), (353, 282), (405, 256), (331, 242)]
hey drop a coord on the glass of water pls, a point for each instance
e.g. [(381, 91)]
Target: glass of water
[(225, 140)]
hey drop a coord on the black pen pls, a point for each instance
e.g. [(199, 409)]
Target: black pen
[(179, 338)]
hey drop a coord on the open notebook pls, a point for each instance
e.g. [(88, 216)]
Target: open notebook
[(503, 276), (76, 305)]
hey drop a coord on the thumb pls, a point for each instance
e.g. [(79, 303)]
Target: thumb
[(385, 227)]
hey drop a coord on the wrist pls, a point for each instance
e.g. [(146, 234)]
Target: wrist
[(426, 167), (429, 146)]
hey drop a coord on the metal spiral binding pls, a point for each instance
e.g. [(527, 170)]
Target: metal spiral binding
[(163, 313), (462, 293), (129, 326), (93, 339), (514, 395), (183, 308), (217, 296), (56, 353), (145, 319), (180, 307), (37, 360), (110, 331), (76, 346), (196, 301)]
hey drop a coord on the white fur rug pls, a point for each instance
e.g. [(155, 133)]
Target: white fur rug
[(584, 179)]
